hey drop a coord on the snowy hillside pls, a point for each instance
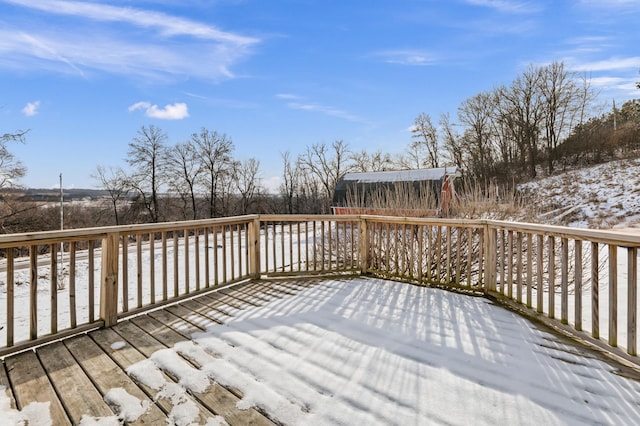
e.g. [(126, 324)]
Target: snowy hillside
[(603, 196)]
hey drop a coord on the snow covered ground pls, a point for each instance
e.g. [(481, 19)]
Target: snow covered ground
[(370, 351), (605, 196)]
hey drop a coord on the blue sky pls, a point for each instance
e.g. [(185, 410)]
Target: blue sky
[(278, 75)]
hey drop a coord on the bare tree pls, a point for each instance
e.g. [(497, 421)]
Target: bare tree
[(290, 182), (476, 113), (327, 165), (247, 182), (371, 162), (523, 109), (184, 168), (563, 103), (452, 142), (115, 182), (215, 153), (11, 169), (226, 187), (147, 155), (425, 141)]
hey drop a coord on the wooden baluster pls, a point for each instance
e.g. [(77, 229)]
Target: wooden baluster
[(92, 283), (613, 295), (125, 273), (152, 268), (207, 269), (552, 276), (595, 295), (540, 274), (10, 296), (72, 285), (564, 281), (529, 270), (510, 266), (578, 284), (53, 280), (632, 300), (33, 292), (139, 268), (165, 271)]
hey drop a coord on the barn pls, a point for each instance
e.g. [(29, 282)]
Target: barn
[(420, 192)]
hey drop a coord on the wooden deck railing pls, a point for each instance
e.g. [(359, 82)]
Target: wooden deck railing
[(583, 281)]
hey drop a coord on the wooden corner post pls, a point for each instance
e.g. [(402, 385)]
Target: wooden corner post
[(109, 280), (254, 248), (489, 257), (363, 246)]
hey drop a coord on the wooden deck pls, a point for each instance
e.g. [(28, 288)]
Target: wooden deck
[(76, 373)]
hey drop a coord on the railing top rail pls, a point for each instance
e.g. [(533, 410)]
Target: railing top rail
[(423, 220), (619, 238), (45, 237), (308, 217), (189, 224)]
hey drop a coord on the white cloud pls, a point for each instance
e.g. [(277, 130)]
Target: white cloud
[(109, 39), (323, 109), (31, 108), (177, 111), (610, 64), (287, 96), (610, 3), (507, 6), (408, 57), (166, 24), (621, 85), (298, 102)]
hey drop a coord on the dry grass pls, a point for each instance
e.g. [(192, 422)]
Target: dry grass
[(400, 199), (493, 202)]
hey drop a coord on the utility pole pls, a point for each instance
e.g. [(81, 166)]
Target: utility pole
[(615, 124), (61, 205)]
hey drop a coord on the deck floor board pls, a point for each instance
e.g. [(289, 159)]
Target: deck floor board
[(30, 384), (107, 375), (80, 396), (4, 381)]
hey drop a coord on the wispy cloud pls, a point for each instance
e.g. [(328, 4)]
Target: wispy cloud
[(167, 25), (587, 45), (611, 64), (177, 111), (108, 39), (287, 96), (408, 57), (615, 85), (298, 102), (508, 6), (324, 109), (31, 108), (611, 3)]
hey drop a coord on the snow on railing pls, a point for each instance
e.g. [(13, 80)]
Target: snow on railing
[(582, 281)]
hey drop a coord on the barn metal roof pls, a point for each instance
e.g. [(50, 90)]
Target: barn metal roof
[(401, 175)]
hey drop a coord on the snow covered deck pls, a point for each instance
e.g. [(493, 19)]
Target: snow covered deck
[(319, 351)]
